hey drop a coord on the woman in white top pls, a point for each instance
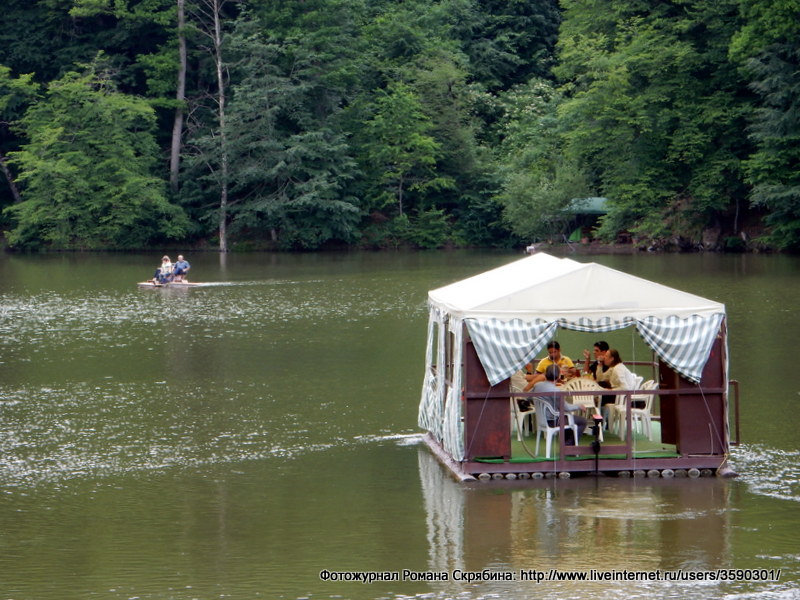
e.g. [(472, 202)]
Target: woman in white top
[(617, 375), (162, 274)]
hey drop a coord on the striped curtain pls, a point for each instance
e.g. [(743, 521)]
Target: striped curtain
[(684, 344), (453, 423), (431, 405), (505, 346)]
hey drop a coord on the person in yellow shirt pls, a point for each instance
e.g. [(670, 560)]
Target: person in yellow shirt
[(554, 356)]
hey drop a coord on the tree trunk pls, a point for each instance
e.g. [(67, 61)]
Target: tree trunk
[(180, 96), (400, 194), (209, 20), (10, 178), (223, 142)]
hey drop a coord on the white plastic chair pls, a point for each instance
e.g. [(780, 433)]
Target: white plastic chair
[(544, 412), (588, 401), (641, 418), (614, 411), (519, 416)]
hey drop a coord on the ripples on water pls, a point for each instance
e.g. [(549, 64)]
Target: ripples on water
[(769, 471), (30, 318), (74, 429), (53, 435), (50, 435)]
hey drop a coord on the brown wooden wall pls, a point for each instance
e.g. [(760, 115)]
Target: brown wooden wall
[(695, 421), (487, 419)]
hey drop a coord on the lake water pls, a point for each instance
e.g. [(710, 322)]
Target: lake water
[(238, 440)]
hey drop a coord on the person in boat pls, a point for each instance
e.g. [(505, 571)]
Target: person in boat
[(163, 273), (180, 269), (617, 376), (551, 375), (554, 357)]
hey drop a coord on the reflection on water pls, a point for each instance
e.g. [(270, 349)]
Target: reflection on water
[(590, 524), (234, 440)]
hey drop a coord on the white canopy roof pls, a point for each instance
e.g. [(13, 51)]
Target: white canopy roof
[(544, 287), (512, 311)]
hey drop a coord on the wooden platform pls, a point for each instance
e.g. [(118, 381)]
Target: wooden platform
[(650, 458), (171, 284)]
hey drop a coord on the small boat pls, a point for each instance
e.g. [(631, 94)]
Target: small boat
[(170, 284)]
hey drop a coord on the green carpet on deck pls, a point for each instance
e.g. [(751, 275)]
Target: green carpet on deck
[(643, 448)]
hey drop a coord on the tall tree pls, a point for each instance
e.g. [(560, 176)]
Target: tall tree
[(86, 171), (180, 97), (210, 19), (537, 180), (164, 65), (290, 162), (399, 147)]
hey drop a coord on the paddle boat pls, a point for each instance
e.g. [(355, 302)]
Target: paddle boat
[(175, 275), (170, 284)]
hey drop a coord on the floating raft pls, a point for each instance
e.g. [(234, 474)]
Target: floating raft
[(178, 284)]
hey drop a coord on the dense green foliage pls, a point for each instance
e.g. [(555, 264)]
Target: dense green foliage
[(769, 45), (87, 170), (299, 125), (655, 111)]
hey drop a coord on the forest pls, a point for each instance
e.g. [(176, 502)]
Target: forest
[(237, 125)]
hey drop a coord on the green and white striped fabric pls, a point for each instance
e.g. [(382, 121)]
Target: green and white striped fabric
[(684, 344), (505, 346)]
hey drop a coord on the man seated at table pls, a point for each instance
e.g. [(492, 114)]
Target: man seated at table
[(548, 384), (554, 357)]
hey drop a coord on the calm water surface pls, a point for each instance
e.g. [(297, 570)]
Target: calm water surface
[(234, 441)]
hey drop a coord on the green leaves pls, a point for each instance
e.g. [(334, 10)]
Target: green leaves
[(311, 122), (86, 170), (290, 163), (654, 108), (15, 93), (400, 151), (772, 169)]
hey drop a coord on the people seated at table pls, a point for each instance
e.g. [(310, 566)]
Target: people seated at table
[(590, 367), (548, 384), (617, 376), (554, 357)]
